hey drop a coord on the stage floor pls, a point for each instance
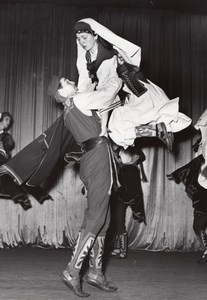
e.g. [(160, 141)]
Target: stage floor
[(29, 273)]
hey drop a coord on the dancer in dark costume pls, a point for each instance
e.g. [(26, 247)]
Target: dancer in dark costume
[(194, 177), (8, 188), (128, 194), (96, 174), (26, 171)]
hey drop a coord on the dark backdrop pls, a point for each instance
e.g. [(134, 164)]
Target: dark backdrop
[(36, 41)]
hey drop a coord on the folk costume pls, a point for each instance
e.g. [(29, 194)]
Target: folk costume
[(98, 86), (129, 194), (147, 107), (32, 166), (194, 177), (147, 110), (8, 188)]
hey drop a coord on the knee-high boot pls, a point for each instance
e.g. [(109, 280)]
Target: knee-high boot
[(199, 226), (95, 275), (120, 245), (71, 275), (157, 130), (202, 238), (82, 247), (96, 256)]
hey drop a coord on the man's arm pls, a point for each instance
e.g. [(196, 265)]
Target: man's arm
[(98, 99), (104, 121), (108, 86)]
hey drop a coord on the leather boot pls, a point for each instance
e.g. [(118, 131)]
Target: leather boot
[(166, 137), (145, 131), (95, 275), (120, 246), (82, 248), (100, 282), (158, 130), (71, 275), (203, 259), (115, 246), (74, 284), (202, 237)]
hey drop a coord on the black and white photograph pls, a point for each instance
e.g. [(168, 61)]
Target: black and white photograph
[(103, 149)]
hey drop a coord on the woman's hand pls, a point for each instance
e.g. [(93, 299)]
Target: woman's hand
[(104, 131), (120, 59)]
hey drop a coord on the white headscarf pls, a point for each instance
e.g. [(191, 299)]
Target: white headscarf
[(130, 52)]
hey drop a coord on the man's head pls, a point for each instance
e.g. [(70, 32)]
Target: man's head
[(61, 89)]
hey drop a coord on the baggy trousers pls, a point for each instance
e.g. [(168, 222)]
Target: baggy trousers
[(95, 172)]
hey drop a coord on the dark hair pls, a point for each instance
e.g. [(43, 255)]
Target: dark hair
[(83, 27), (7, 114)]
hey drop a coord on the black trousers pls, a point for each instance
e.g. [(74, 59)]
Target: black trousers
[(199, 227)]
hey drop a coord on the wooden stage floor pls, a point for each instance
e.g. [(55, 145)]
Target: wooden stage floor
[(34, 274)]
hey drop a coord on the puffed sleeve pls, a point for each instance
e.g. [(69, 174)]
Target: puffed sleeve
[(106, 91)]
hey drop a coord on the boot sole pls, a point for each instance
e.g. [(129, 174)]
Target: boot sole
[(70, 286), (100, 287)]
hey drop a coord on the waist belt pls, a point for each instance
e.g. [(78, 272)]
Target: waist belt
[(93, 143)]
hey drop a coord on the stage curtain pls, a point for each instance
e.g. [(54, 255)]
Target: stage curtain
[(37, 41)]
